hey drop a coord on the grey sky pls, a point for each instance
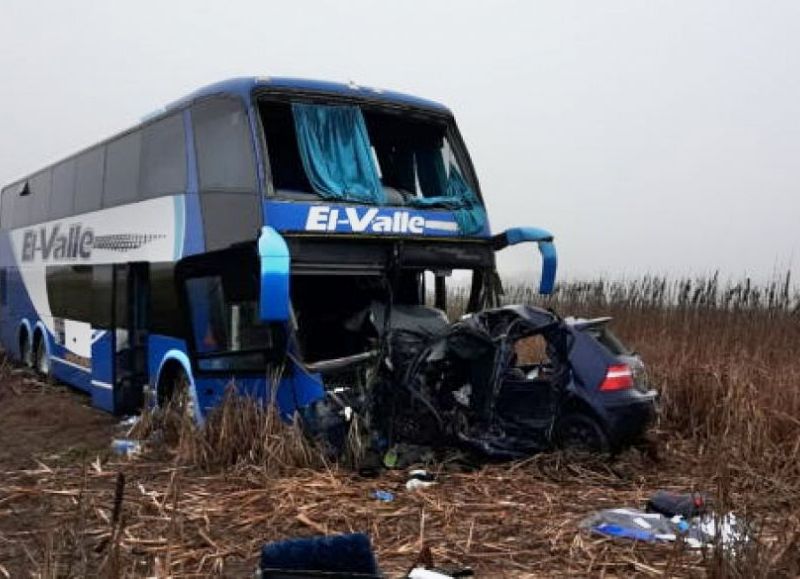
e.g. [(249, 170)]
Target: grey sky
[(648, 136)]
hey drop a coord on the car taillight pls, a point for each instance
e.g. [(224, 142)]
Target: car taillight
[(618, 377)]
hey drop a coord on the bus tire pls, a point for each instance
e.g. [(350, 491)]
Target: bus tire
[(41, 359), (175, 391), (25, 350)]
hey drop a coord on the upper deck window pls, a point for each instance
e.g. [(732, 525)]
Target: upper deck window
[(62, 202), (122, 170), (225, 156), (411, 155), (40, 186), (89, 180), (163, 157)]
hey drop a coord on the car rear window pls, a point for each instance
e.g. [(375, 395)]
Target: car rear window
[(603, 334)]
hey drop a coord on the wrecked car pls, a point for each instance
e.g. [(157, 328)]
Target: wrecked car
[(505, 382)]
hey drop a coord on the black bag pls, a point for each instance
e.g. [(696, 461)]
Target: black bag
[(687, 505)]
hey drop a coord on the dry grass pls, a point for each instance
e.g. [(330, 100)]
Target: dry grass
[(723, 359)]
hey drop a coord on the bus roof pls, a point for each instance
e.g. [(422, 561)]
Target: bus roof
[(244, 86)]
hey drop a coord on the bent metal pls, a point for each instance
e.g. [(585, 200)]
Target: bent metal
[(75, 243)]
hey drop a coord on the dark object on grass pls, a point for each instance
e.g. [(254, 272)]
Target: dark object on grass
[(340, 556), (687, 505), (119, 495)]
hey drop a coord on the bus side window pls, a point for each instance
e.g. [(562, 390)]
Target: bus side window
[(89, 180), (23, 205), (225, 156), (40, 187), (226, 169), (67, 289), (62, 201), (7, 208), (163, 170), (121, 184), (207, 310)]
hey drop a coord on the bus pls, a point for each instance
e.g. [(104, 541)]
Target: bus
[(235, 236)]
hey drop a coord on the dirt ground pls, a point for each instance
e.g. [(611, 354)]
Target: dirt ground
[(50, 423), (59, 488), (41, 426)]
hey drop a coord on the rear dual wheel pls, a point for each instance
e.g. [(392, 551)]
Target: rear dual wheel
[(25, 350), (41, 359)]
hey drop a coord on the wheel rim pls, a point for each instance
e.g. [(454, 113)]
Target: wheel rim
[(27, 357), (42, 359), (183, 400), (581, 435)]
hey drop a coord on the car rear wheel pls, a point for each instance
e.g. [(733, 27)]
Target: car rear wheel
[(580, 432)]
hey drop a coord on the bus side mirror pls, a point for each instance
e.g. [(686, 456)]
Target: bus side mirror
[(274, 295), (545, 241)]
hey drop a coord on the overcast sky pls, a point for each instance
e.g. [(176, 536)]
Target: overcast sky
[(648, 136)]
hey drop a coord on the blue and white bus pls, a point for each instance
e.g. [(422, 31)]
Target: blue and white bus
[(237, 231)]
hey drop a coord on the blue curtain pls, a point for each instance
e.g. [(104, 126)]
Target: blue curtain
[(469, 213), (336, 153)]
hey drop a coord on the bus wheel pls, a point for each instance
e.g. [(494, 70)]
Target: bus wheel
[(41, 359), (178, 395), (25, 352)]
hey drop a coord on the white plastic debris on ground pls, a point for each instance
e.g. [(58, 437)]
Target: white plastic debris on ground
[(697, 532)]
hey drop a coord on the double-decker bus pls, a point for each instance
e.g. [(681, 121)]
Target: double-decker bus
[(238, 231)]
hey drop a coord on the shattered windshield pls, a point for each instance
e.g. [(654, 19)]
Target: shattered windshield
[(350, 153)]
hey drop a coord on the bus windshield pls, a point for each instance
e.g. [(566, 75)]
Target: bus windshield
[(363, 154)]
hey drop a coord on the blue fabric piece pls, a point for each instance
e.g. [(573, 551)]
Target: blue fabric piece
[(336, 153), (469, 213), (624, 532), (431, 172)]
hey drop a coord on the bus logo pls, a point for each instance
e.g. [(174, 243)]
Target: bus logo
[(78, 242), (74, 243), (373, 220)]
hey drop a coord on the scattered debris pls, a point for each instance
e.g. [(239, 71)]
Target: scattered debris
[(678, 515), (420, 479), (126, 447), (687, 505), (423, 573), (632, 524), (383, 496)]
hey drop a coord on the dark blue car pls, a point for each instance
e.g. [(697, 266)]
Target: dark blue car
[(510, 381)]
